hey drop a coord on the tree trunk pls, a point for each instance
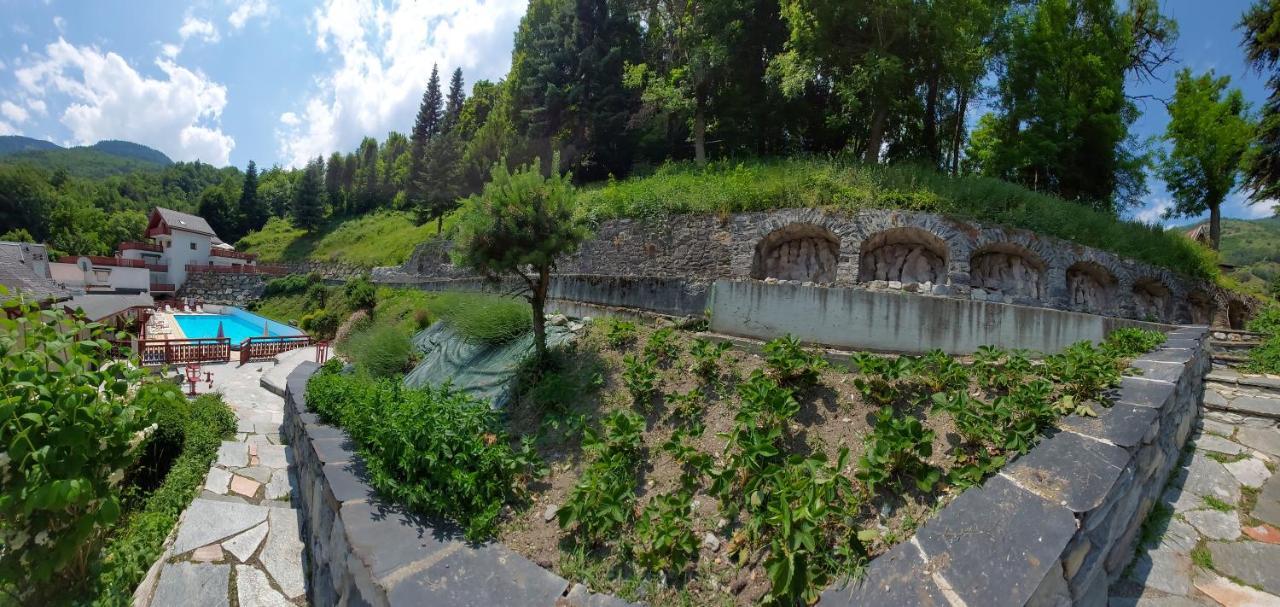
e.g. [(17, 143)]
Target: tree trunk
[(930, 134), (700, 132), (1215, 225), (875, 135), (439, 223), (538, 300), (962, 105)]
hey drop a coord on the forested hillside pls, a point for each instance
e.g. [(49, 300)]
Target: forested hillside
[(1254, 248), (102, 159)]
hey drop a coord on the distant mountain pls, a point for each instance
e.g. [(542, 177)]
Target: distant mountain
[(96, 161), (12, 144), (1253, 247)]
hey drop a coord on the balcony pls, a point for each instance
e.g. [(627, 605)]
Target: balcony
[(232, 254), (158, 267), (98, 260), (159, 287), (140, 246)]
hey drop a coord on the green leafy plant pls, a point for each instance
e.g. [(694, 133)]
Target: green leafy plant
[(664, 540), (939, 372), (896, 448), (880, 377), (1083, 371), (688, 405), (602, 502), (69, 430), (790, 363), (359, 293), (435, 450), (640, 376), (661, 347), (1129, 342), (619, 333), (997, 369), (706, 357)]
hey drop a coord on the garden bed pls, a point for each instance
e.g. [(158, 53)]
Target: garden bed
[(679, 480)]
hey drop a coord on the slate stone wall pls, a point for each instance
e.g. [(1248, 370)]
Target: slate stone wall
[(362, 551), (1058, 525), (224, 288), (917, 252)]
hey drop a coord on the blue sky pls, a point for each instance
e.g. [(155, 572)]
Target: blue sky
[(226, 81)]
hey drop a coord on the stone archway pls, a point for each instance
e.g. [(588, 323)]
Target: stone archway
[(1090, 287), (1151, 299), (1237, 314), (906, 255), (1201, 307), (799, 251), (1008, 269)]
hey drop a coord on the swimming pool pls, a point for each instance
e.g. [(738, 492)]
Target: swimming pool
[(237, 325)]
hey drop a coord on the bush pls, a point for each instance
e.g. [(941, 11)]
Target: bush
[(484, 318), (381, 350), (1267, 321), (291, 284), (138, 544), (435, 450), (322, 324), (360, 293), (69, 430)]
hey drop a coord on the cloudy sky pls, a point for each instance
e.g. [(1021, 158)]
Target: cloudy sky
[(226, 81)]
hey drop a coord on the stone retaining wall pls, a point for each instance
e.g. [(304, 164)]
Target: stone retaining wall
[(364, 552), (224, 288), (1058, 525), (879, 250)]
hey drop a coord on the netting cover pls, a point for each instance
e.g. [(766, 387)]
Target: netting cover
[(480, 369)]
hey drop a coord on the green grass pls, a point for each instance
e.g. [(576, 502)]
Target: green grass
[(1201, 556), (288, 309), (379, 239), (726, 187), (1253, 246), (1218, 504), (484, 318)]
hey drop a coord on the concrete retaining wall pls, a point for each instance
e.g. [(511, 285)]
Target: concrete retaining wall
[(1059, 524), (897, 322)]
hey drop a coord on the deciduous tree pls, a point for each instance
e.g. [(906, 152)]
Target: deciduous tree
[(1261, 27)]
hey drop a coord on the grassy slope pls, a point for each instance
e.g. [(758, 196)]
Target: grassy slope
[(378, 239), (1254, 247)]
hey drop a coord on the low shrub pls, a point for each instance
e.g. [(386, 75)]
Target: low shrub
[(602, 502), (291, 284), (619, 333), (1132, 341), (790, 363), (482, 318), (1265, 358), (321, 324), (437, 451), (379, 349), (359, 293)]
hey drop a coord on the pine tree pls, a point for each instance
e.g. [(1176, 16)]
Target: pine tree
[(253, 212), (424, 128), (453, 107), (333, 180), (308, 197), (1261, 25)]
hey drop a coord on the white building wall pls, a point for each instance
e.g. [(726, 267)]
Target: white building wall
[(185, 248), (100, 278)]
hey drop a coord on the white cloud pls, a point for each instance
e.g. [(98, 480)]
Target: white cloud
[(1153, 212), (60, 23), (246, 10), (107, 98), (170, 50), (14, 112), (384, 53), (38, 106), (6, 129), (193, 27), (2, 65)]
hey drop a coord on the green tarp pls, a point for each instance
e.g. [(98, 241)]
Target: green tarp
[(480, 369)]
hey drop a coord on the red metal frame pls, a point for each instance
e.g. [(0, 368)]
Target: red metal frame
[(232, 254), (99, 260), (141, 246), (322, 352), (263, 348)]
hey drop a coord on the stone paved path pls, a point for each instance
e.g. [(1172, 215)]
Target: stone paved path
[(1215, 537), (239, 541)]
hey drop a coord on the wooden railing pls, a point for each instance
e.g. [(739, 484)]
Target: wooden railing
[(263, 348), (141, 246), (231, 254), (273, 270), (180, 351), (99, 260)]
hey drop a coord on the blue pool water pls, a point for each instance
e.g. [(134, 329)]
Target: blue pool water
[(236, 324)]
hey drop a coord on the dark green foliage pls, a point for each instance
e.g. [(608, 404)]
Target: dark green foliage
[(790, 363), (706, 357), (484, 318), (1083, 372), (1131, 341), (98, 161), (601, 504), (661, 347), (309, 197), (425, 127), (664, 538), (880, 377), (434, 450), (619, 333), (253, 210), (896, 450), (999, 370), (939, 372), (288, 285), (1260, 26), (359, 293), (1266, 357), (640, 375)]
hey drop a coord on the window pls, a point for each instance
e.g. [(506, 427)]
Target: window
[(167, 244), (193, 246)]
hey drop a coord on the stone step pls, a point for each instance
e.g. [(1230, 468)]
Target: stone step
[(1243, 400), (1220, 344), (1226, 376), (1235, 334)]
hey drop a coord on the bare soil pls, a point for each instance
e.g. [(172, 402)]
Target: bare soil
[(833, 416)]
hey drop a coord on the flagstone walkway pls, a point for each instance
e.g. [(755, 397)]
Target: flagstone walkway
[(239, 541), (1215, 536)]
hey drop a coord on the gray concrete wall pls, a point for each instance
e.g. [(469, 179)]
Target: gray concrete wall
[(895, 321)]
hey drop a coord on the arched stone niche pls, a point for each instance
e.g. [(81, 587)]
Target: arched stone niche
[(1008, 269), (1090, 287), (1150, 299), (799, 251), (907, 255), (1201, 307), (1237, 314)]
